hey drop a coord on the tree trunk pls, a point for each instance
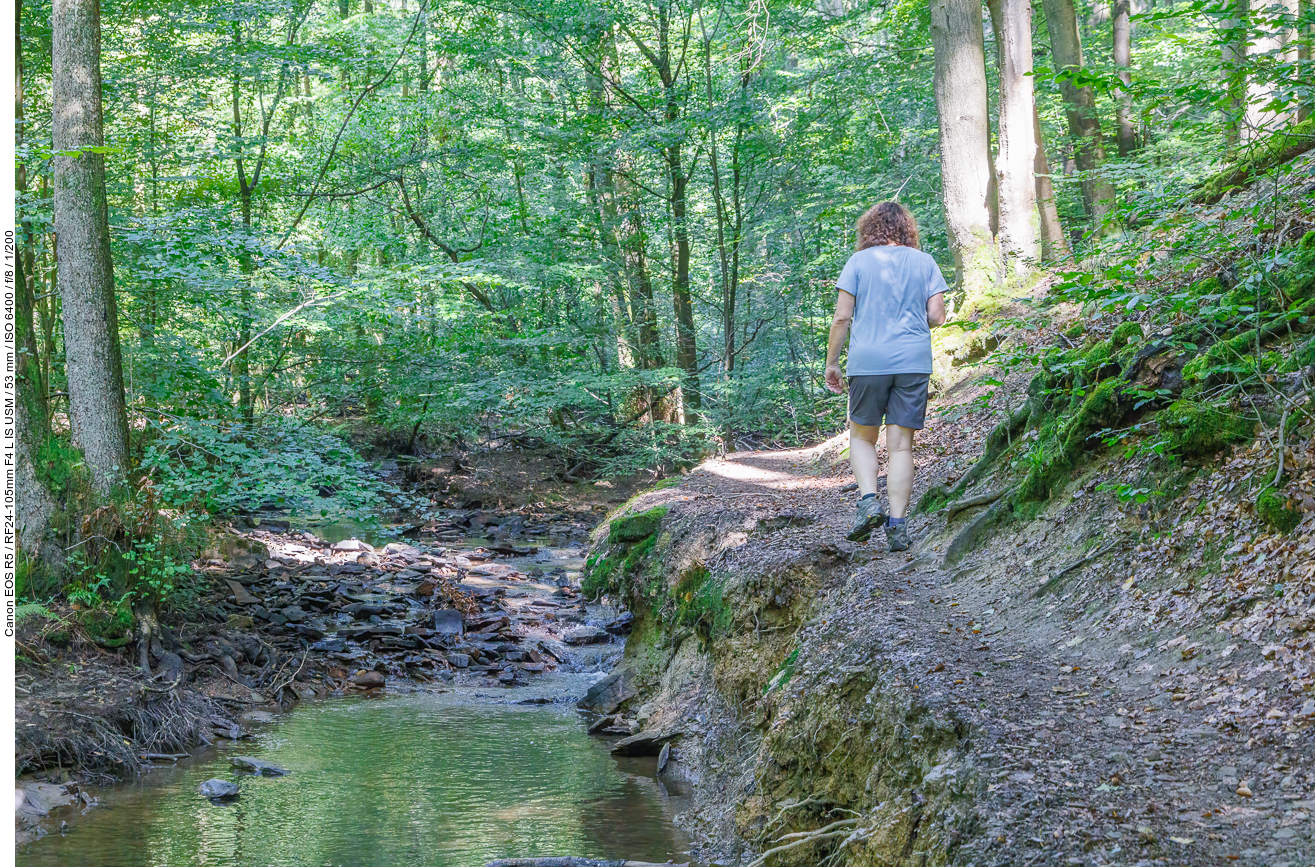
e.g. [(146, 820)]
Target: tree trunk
[(600, 187), (686, 347), (34, 506), (1277, 44), (1080, 107), (1303, 53), (1016, 162), (86, 276), (961, 103), (635, 265), (1054, 243), (1127, 135), (246, 317), (1234, 65)]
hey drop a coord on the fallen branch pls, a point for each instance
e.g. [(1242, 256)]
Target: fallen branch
[(1282, 430), (1054, 580)]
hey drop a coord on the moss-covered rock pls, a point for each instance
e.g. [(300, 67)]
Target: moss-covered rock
[(633, 528), (1127, 333), (1272, 507), (1200, 430), (1102, 408)]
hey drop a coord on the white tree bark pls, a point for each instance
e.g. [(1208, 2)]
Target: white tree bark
[(82, 246), (1275, 45), (966, 183), (1015, 162)]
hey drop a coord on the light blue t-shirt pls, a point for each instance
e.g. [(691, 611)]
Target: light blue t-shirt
[(891, 287)]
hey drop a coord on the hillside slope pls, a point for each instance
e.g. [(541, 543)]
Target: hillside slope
[(1097, 652)]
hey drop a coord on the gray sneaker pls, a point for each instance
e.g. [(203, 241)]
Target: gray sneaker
[(898, 537), (868, 517)]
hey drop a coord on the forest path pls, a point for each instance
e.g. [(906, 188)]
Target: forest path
[(1087, 750)]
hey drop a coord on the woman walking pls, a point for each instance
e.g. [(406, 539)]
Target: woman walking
[(891, 295)]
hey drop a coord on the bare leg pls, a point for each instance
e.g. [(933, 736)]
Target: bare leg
[(899, 473), (863, 456)]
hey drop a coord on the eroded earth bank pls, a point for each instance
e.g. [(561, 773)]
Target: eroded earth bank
[(1071, 687)]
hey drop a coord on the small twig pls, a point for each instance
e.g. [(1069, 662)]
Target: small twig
[(1054, 579), (1282, 430)]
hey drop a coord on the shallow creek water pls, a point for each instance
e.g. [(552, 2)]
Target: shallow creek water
[(456, 778), (449, 775)]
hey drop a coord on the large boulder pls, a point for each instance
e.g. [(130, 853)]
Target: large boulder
[(608, 694), (219, 790)]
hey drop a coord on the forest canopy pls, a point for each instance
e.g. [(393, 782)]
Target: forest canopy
[(608, 229)]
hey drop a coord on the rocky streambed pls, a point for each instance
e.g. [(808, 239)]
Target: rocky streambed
[(422, 611), (288, 617)]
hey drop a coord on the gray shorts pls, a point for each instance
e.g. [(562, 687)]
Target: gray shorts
[(899, 398)]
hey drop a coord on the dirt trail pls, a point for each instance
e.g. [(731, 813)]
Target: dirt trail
[(1070, 741)]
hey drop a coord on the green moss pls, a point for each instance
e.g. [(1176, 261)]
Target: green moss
[(934, 499), (1257, 159), (1200, 430), (1302, 358), (599, 576), (1208, 286), (1273, 509), (1102, 408), (633, 528), (1126, 333), (1232, 356), (700, 603), (109, 623), (1074, 331)]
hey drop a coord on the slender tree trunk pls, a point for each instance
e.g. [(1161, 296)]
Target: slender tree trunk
[(686, 347), (1127, 135), (246, 318), (1080, 106), (601, 189), (1015, 164), (1275, 47), (1054, 243), (34, 506), (1303, 54), (1234, 66), (961, 103), (86, 275)]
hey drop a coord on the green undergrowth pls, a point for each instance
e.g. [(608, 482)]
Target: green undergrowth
[(1168, 393)]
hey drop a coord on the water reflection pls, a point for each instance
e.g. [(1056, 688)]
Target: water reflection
[(404, 780)]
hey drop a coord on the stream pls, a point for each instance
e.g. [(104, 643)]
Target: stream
[(446, 774), (443, 780)]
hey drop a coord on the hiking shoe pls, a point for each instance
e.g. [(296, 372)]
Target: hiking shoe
[(868, 517), (898, 537)]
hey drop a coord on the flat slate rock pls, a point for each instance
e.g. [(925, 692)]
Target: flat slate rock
[(241, 595), (586, 635), (256, 766), (448, 621), (608, 694), (647, 743)]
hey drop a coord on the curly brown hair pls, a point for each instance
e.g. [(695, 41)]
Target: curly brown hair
[(885, 223)]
